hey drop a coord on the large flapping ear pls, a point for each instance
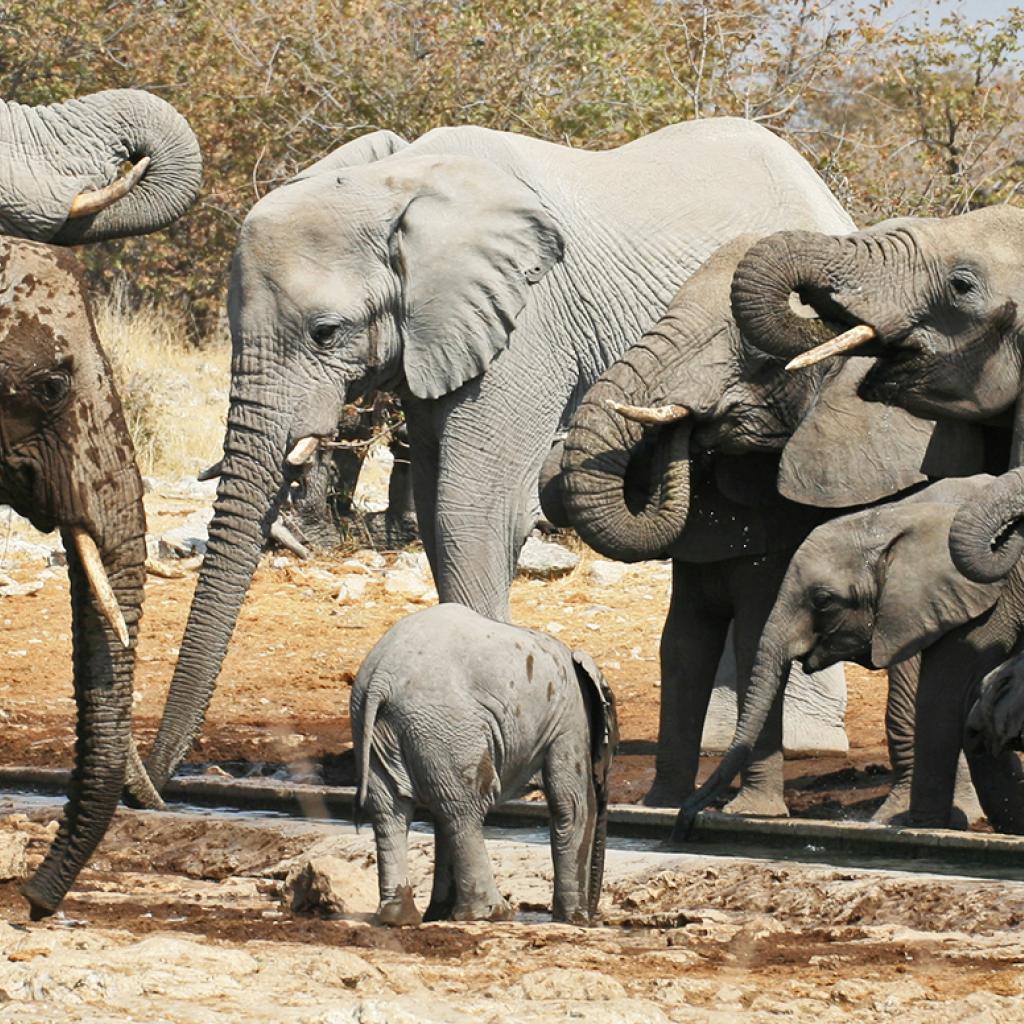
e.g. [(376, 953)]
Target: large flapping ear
[(850, 452), (956, 449), (604, 722), (922, 595), (364, 150), (468, 245)]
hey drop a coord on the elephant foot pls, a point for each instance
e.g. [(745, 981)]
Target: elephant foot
[(439, 910), (400, 911), (483, 911), (895, 807), (666, 794), (757, 804), (577, 915)]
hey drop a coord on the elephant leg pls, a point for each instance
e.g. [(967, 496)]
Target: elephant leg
[(391, 814), (999, 781), (476, 893), (692, 641), (900, 707), (572, 809), (424, 458), (442, 893), (755, 583)]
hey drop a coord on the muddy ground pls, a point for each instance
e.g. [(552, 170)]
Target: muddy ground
[(188, 919)]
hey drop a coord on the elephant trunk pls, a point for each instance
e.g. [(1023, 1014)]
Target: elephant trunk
[(626, 487), (815, 268), (775, 653), (103, 673), (252, 475), (64, 149), (986, 537)]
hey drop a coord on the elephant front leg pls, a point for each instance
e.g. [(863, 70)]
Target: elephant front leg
[(572, 810), (899, 736), (691, 647), (391, 814)]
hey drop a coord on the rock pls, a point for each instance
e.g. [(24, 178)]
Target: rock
[(409, 585), (370, 558), (58, 556), (13, 589), (371, 491), (191, 537), (18, 550), (543, 560), (327, 886), (414, 561), (189, 487), (351, 590), (606, 574), (12, 855), (568, 983)]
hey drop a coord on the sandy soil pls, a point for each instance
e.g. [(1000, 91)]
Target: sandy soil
[(188, 919), (283, 692)]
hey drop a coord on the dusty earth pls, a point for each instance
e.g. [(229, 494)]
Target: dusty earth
[(188, 918)]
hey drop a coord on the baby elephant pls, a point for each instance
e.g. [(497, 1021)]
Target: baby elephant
[(458, 713)]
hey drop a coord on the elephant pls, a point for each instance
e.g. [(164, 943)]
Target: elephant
[(458, 713), (878, 587), (485, 277), (681, 450), (60, 176), (936, 300), (67, 461)]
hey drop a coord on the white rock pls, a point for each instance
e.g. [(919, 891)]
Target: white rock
[(409, 585), (545, 561), (12, 855), (606, 574), (568, 983), (18, 550), (188, 487), (414, 561), (21, 589), (351, 589), (329, 885), (192, 536)]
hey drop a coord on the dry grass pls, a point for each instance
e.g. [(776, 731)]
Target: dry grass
[(174, 395)]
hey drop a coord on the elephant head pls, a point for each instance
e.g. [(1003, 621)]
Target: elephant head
[(66, 460), (604, 738), (60, 172), (692, 385), (997, 717), (874, 588), (407, 272), (936, 300)]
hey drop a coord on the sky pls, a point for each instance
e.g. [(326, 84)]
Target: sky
[(972, 8)]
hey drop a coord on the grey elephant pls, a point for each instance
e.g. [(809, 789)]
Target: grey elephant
[(488, 278), (458, 713), (878, 587), (681, 450), (60, 177)]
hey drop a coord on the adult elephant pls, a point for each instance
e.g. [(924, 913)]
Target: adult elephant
[(489, 278), (875, 587), (67, 462), (60, 168), (681, 450)]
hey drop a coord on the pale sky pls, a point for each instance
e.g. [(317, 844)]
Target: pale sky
[(972, 8)]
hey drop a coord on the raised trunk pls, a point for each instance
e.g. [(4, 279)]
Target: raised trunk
[(775, 654), (986, 537), (251, 478), (812, 267), (626, 488), (66, 148), (103, 672)]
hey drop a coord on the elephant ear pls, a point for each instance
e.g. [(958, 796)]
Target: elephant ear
[(922, 595), (364, 150), (468, 245), (604, 723), (850, 452)]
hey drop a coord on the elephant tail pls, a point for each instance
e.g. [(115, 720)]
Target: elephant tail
[(374, 698)]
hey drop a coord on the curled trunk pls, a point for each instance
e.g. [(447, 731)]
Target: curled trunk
[(103, 672), (64, 149), (986, 537), (626, 488)]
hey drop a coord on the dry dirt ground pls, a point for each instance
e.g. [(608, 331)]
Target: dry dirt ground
[(186, 919)]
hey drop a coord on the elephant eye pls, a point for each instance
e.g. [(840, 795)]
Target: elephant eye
[(52, 388), (822, 599), (962, 283), (324, 333)]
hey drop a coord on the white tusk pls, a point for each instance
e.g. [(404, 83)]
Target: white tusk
[(87, 203), (287, 539), (845, 342), (89, 556), (303, 451), (649, 414), (211, 472)]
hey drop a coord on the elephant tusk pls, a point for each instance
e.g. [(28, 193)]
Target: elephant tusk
[(138, 782), (211, 472), (845, 342), (287, 539), (303, 451), (649, 414), (87, 203), (89, 556)]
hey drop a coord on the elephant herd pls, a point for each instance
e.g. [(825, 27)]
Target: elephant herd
[(684, 343)]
